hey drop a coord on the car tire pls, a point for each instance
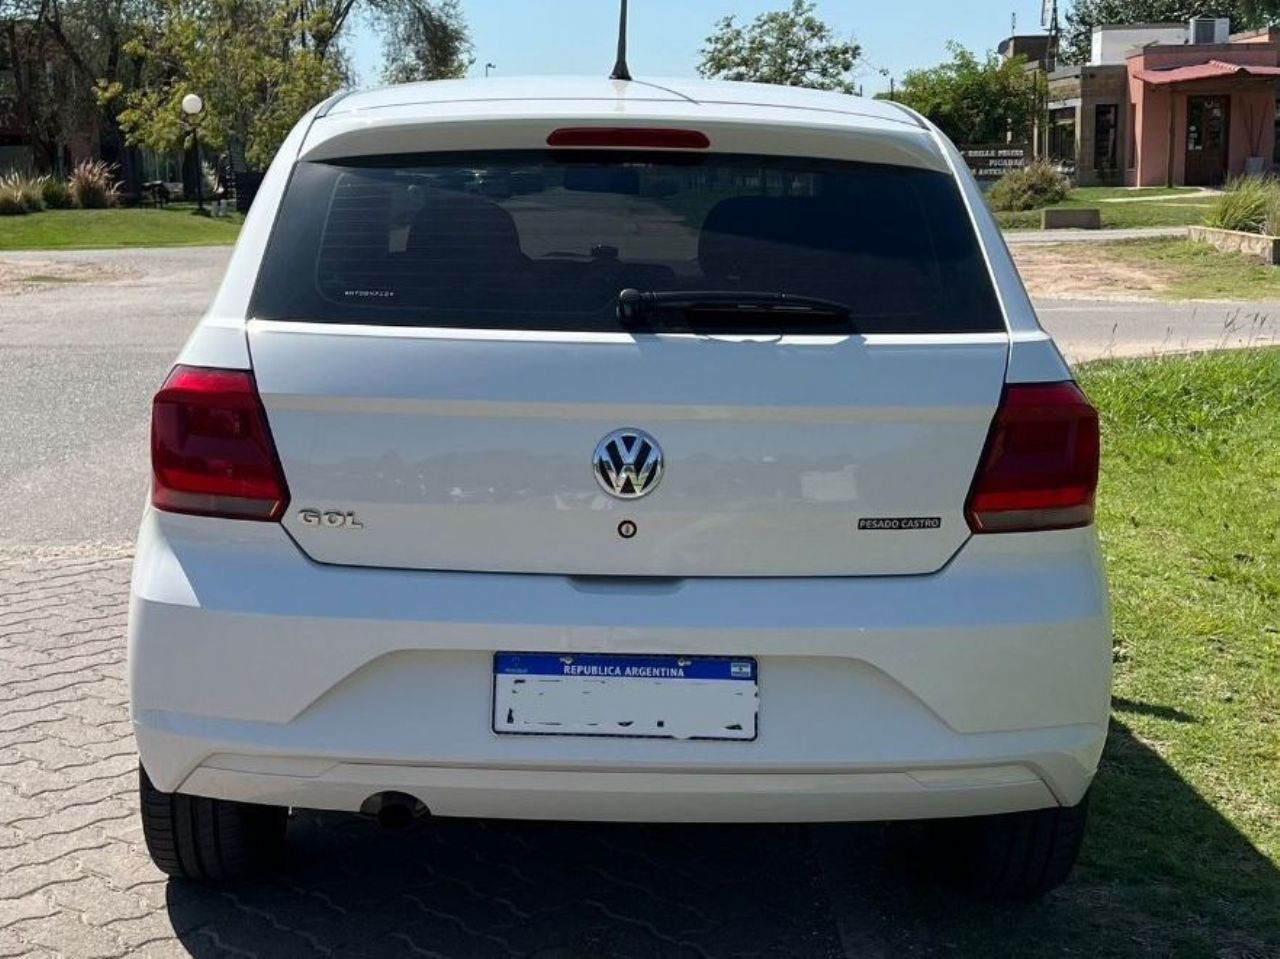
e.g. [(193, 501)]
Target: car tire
[(209, 840), (1019, 855)]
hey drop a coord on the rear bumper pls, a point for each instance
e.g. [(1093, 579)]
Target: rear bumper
[(258, 675), (630, 796)]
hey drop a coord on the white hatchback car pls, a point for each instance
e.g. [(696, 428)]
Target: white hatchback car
[(618, 450)]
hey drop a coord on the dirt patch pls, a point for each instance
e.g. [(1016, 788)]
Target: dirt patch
[(31, 276), (1086, 270)]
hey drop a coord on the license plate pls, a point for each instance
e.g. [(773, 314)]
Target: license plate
[(650, 697)]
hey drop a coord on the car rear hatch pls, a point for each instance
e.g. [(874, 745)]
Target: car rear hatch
[(437, 344)]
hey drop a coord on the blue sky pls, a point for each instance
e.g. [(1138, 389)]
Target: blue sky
[(578, 36)]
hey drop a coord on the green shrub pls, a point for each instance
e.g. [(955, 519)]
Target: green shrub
[(1032, 187), (12, 200), (1271, 225), (1245, 204), (92, 185), (56, 193), (32, 189), (24, 191)]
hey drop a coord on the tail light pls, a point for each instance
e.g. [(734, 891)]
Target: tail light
[(656, 138), (1040, 466), (211, 448)]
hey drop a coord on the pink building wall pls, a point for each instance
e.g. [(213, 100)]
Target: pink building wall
[(1151, 116), (1151, 109)]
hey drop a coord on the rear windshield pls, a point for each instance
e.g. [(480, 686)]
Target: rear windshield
[(547, 240)]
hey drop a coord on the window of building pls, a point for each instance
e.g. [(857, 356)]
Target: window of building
[(1062, 136), (1106, 126)]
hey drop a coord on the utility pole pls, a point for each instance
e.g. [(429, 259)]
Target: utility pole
[(1049, 21)]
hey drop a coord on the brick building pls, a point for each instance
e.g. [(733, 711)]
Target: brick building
[(1165, 104)]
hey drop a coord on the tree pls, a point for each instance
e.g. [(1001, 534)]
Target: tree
[(116, 70), (57, 51), (972, 100), (30, 101), (789, 47), (423, 40), (1084, 15), (259, 65)]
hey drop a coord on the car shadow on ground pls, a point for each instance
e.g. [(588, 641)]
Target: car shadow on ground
[(560, 891)]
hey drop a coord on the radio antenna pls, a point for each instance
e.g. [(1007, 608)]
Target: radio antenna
[(620, 70)]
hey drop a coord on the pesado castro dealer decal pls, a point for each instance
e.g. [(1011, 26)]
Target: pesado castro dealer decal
[(899, 523)]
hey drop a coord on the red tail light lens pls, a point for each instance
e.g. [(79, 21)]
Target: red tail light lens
[(211, 449), (1040, 466), (639, 137)]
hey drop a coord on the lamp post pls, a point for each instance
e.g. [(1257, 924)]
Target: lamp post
[(488, 67), (193, 106)]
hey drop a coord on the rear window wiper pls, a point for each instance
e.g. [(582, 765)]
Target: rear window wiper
[(736, 310)]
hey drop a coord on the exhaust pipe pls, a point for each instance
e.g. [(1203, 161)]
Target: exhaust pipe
[(393, 810), (395, 815)]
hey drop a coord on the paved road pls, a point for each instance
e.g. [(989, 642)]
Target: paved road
[(75, 882), (79, 363), (1094, 329), (1093, 236)]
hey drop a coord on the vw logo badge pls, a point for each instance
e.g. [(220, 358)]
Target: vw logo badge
[(628, 463)]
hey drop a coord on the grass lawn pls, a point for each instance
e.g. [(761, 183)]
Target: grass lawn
[(1187, 832), (1200, 272), (1159, 268), (1182, 857), (106, 229), (1195, 271), (1093, 194), (1188, 211)]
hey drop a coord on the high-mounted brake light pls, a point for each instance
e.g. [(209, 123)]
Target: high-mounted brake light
[(653, 138), (211, 449), (1040, 467)]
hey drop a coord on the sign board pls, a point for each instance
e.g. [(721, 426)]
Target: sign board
[(1048, 14), (991, 161)]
